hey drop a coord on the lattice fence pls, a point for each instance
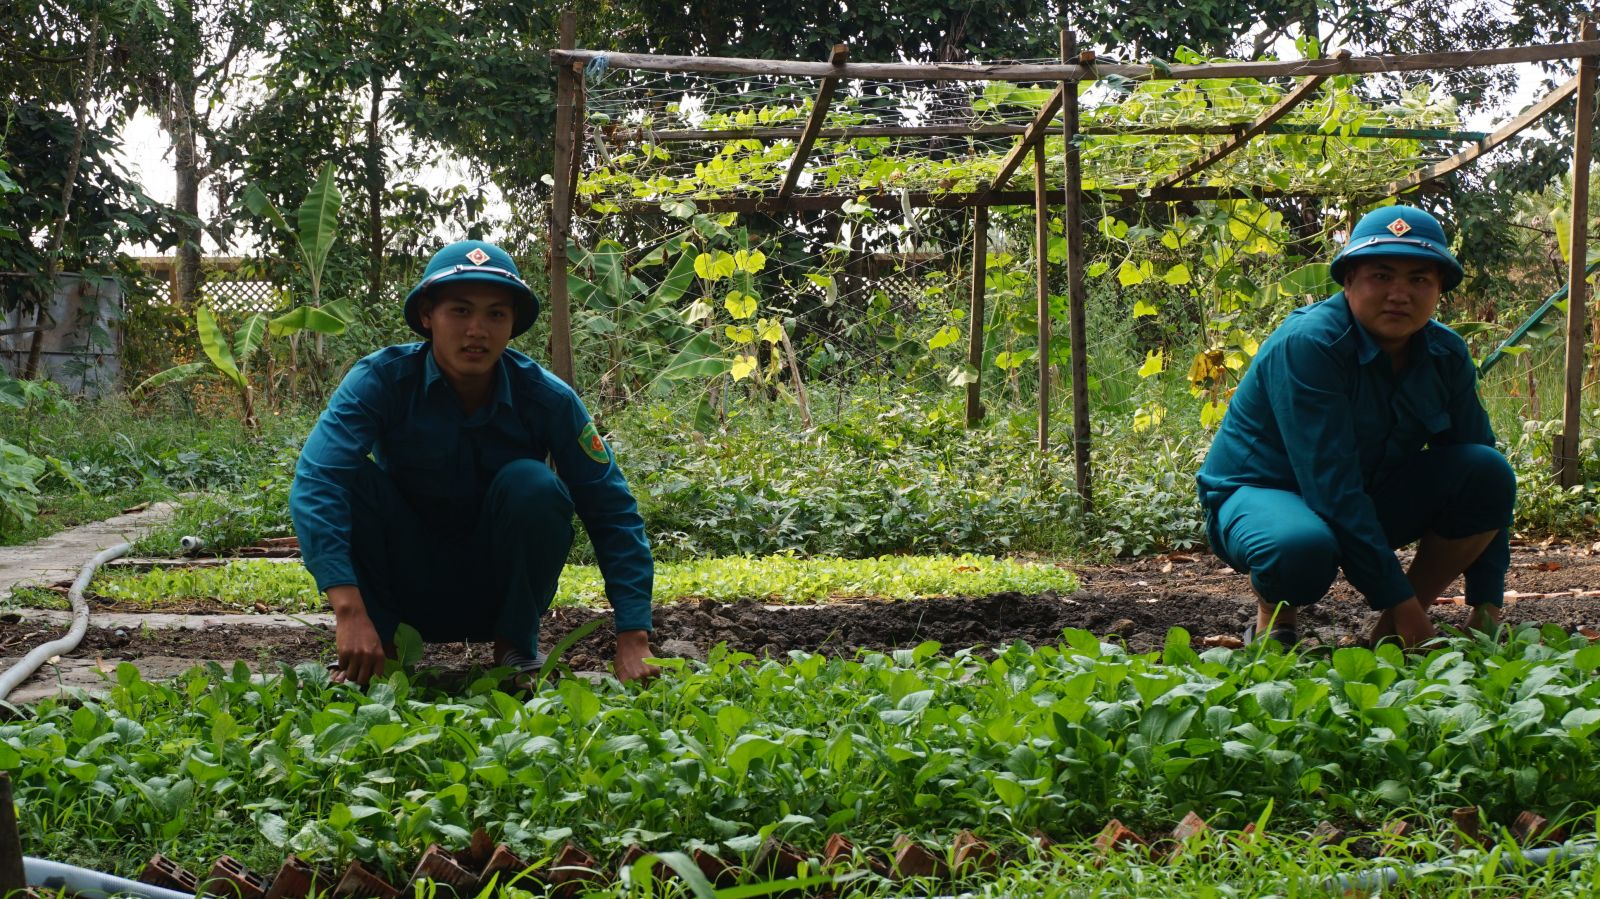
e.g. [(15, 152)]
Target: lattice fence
[(228, 285)]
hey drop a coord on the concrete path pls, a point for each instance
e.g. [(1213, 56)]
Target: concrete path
[(170, 621), (60, 556), (96, 677)]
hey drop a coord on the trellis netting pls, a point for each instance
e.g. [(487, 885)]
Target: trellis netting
[(863, 280)]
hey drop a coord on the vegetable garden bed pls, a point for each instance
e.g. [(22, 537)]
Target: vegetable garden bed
[(892, 729), (723, 756)]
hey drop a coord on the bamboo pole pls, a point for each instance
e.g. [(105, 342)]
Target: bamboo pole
[(771, 203), (819, 114), (561, 209), (801, 397), (1041, 238), (1076, 292), (977, 315), (1577, 282), (13, 879), (580, 96), (1499, 136), (1031, 137), (678, 136), (1302, 92), (1395, 62)]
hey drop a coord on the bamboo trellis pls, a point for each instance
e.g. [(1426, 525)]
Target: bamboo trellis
[(1070, 74)]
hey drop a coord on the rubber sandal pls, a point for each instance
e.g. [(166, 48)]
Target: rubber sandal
[(1286, 636), (524, 668)]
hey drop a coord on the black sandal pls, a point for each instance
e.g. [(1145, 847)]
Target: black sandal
[(1286, 636)]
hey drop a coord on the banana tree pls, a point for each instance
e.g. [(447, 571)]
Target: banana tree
[(317, 219), (229, 358), (316, 229), (617, 304)]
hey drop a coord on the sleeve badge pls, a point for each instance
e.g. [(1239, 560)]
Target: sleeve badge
[(593, 446)]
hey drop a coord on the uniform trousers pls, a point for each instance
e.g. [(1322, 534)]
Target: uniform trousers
[(1292, 555), (478, 569)]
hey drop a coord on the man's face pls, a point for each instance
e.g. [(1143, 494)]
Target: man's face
[(1393, 297), (471, 324)]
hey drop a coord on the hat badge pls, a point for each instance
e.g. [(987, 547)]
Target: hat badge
[(1399, 228), (479, 257)]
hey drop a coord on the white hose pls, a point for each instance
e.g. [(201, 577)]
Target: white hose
[(92, 884), (24, 669), (1376, 879)]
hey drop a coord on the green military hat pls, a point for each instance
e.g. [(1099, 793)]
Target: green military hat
[(1399, 231), (473, 260)]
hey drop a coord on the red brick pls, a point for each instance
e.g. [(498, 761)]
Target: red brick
[(967, 850), (230, 879), (295, 880), (912, 859), (1116, 836), (360, 883), (161, 871)]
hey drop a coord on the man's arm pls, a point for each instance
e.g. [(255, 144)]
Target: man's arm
[(610, 514), (633, 647), (361, 652), (319, 505)]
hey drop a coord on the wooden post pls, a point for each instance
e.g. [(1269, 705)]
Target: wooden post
[(1076, 294), (12, 877), (561, 206), (977, 315), (1041, 237), (1577, 283)]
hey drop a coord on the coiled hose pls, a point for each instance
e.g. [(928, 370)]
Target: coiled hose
[(24, 669), (90, 884)]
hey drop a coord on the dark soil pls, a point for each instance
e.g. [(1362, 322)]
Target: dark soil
[(1135, 602)]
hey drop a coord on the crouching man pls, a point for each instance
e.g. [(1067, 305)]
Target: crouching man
[(1358, 430), (460, 521)]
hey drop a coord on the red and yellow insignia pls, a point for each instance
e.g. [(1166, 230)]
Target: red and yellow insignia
[(478, 256), (1399, 228), (593, 446)]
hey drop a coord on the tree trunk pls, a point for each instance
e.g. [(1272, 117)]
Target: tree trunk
[(374, 163), (186, 168)]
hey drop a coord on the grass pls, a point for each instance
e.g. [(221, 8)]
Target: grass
[(1223, 865), (883, 471), (68, 509), (106, 455), (288, 587), (1212, 865)]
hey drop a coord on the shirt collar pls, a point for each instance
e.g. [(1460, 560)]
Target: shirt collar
[(432, 376), (1367, 349)]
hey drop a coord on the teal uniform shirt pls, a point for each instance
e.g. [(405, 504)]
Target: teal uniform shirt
[(396, 405), (1321, 412)]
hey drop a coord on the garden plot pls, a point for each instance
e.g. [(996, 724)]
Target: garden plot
[(1135, 602), (907, 770), (806, 763)]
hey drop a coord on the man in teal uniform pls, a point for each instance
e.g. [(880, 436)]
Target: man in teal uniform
[(460, 521), (1358, 430)]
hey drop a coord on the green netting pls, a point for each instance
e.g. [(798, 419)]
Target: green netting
[(1330, 152)]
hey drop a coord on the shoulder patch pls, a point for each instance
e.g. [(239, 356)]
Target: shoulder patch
[(593, 446)]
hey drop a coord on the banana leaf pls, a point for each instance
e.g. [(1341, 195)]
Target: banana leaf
[(174, 375)]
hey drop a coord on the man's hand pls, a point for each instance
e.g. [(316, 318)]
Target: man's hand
[(361, 653), (1408, 621), (633, 647)]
